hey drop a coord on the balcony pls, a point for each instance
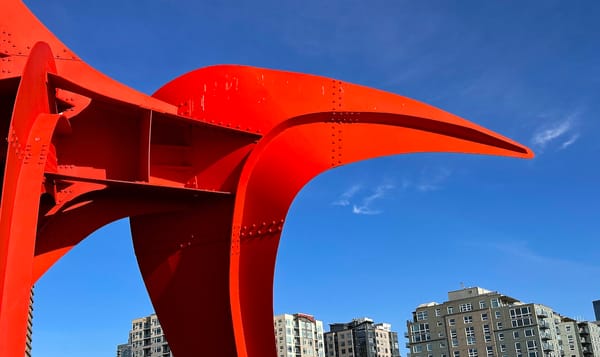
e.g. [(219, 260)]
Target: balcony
[(584, 330), (545, 336), (541, 313), (544, 325), (547, 346)]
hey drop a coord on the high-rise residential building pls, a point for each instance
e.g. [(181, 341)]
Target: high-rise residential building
[(597, 309), (579, 339), (475, 322), (298, 335), (589, 338), (146, 339), (124, 350), (361, 338)]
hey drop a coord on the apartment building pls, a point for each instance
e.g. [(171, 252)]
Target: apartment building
[(476, 322), (596, 304), (298, 335), (124, 350), (146, 339), (361, 338), (589, 338)]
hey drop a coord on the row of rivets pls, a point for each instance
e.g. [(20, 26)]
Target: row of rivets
[(336, 128), (262, 229)]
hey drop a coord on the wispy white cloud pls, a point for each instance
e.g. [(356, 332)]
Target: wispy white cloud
[(366, 205), (521, 250), (364, 200), (570, 141), (432, 181), (550, 133), (344, 199)]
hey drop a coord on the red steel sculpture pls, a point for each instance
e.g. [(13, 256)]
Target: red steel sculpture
[(205, 169)]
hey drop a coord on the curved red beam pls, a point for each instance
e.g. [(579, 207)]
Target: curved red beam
[(206, 169)]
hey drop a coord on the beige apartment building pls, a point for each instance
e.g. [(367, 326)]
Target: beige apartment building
[(146, 338), (476, 322), (298, 335), (361, 338), (580, 339)]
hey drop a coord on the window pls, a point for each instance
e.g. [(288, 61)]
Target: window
[(568, 328), (454, 342), (531, 345), (450, 309), (440, 323), (498, 314), (515, 334), (471, 340), (465, 307), (494, 302), (482, 304), (417, 348), (529, 332), (442, 344), (453, 333), (468, 319), (498, 325), (456, 353), (484, 317), (486, 329), (472, 352), (451, 322), (520, 312), (502, 348), (429, 347), (487, 338), (438, 312), (500, 336), (521, 322), (469, 331), (518, 347), (421, 315)]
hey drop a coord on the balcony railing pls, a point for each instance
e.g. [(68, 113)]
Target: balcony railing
[(546, 336), (547, 346)]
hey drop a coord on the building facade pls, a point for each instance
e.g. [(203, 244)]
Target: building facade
[(475, 322), (146, 339), (298, 335), (124, 350), (597, 309), (361, 338)]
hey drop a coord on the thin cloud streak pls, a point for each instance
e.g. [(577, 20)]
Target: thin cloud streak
[(366, 205), (569, 142), (544, 136), (434, 181), (344, 199), (521, 250)]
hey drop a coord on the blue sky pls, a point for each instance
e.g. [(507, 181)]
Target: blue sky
[(379, 237)]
